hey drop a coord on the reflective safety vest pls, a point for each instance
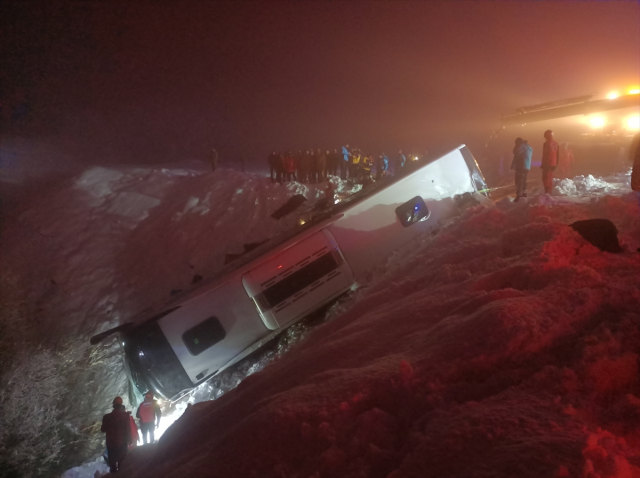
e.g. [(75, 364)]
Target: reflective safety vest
[(146, 412)]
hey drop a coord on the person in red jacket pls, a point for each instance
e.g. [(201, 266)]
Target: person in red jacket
[(117, 426), (149, 414), (550, 157), (289, 163)]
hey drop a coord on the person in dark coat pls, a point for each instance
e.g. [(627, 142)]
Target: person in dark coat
[(550, 157), (289, 164), (149, 414), (272, 160), (313, 166), (521, 164), (321, 165), (400, 161), (117, 427)]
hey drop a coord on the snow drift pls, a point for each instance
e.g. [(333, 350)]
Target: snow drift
[(506, 345)]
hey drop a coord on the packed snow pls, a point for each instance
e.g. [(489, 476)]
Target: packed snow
[(504, 345)]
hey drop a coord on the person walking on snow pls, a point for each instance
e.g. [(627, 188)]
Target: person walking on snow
[(149, 414), (522, 153), (550, 157), (117, 426)]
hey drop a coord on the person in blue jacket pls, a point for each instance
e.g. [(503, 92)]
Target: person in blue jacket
[(522, 153), (344, 165)]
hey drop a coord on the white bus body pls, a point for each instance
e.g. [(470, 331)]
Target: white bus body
[(200, 333)]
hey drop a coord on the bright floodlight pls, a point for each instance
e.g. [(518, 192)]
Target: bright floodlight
[(613, 95), (597, 122), (633, 122), (634, 91)]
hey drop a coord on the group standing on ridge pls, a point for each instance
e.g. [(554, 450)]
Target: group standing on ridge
[(315, 166), (554, 157)]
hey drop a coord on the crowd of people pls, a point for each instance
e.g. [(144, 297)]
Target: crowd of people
[(315, 166)]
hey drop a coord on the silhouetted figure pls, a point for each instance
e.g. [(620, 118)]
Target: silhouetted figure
[(521, 163), (272, 160), (149, 415), (117, 427), (550, 157), (400, 162)]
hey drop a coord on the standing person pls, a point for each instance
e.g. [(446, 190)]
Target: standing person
[(566, 161), (379, 166), (213, 157), (313, 166), (634, 156), (400, 161), (117, 427), (279, 168), (521, 164), (272, 160), (149, 414), (333, 159), (322, 165), (367, 163), (355, 163), (385, 163), (305, 164), (289, 164), (344, 164), (550, 157)]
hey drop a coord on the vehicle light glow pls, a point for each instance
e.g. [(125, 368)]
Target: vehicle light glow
[(633, 122), (597, 122), (613, 95), (634, 91)]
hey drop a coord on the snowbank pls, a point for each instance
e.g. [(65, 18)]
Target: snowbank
[(82, 254), (504, 346)]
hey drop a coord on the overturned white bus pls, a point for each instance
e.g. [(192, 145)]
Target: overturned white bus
[(203, 331)]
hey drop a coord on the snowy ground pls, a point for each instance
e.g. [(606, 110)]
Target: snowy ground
[(503, 346)]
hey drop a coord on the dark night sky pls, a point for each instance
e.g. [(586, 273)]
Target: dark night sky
[(157, 81)]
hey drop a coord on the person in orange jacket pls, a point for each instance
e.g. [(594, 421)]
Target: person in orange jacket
[(149, 414), (550, 158), (117, 427)]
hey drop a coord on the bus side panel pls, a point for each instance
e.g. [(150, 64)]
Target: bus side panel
[(298, 280), (370, 231), (236, 313)]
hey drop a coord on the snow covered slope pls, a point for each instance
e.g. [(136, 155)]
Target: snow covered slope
[(503, 346)]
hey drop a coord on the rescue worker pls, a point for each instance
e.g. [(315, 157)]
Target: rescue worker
[(367, 163), (117, 427), (355, 164), (550, 157), (521, 163), (289, 164), (400, 161), (333, 162), (344, 164), (149, 415), (272, 160), (305, 165)]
